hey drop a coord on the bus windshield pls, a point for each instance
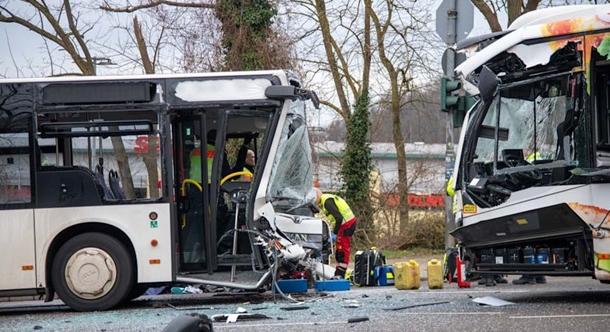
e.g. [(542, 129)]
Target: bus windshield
[(291, 181)]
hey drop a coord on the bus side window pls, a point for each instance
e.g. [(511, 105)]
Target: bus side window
[(14, 166)]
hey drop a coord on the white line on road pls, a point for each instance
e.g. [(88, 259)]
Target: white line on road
[(467, 291), (345, 322), (277, 324), (452, 313), (560, 316)]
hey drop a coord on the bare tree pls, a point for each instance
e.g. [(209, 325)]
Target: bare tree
[(248, 38), (513, 8), (49, 22), (150, 156)]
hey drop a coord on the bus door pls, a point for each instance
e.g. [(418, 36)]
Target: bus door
[(195, 149), (241, 137), (16, 212)]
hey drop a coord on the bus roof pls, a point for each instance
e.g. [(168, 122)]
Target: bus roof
[(233, 74), (543, 23)]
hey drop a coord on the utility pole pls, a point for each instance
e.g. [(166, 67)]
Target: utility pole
[(451, 28)]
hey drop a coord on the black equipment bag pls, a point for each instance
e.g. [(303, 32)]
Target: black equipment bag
[(365, 263)]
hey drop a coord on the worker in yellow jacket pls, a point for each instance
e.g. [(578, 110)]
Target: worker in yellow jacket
[(340, 214)]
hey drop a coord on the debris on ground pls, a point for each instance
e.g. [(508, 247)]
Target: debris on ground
[(259, 308), (155, 290), (357, 319), (189, 308), (241, 310), (295, 307), (491, 301), (192, 322), (186, 290), (351, 304), (232, 318), (415, 305)]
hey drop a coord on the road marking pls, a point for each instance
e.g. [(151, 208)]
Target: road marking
[(560, 316), (345, 322), (453, 313), (471, 291), (278, 324)]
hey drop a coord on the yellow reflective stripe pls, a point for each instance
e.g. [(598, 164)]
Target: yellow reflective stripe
[(344, 209)]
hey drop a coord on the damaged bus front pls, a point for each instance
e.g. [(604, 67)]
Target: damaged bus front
[(533, 168)]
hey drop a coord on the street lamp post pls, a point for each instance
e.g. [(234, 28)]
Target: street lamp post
[(101, 61)]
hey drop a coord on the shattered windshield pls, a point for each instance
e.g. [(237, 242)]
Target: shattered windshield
[(528, 121), (291, 182)]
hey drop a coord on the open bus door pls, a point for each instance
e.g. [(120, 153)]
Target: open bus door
[(213, 183), (193, 179)]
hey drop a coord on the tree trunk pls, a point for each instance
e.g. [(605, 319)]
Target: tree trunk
[(513, 9), (150, 157), (488, 13), (123, 164), (150, 161), (356, 168), (401, 156), (327, 39)]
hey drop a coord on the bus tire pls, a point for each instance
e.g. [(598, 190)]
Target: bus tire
[(93, 271)]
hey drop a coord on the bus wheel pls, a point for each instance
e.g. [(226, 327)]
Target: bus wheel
[(93, 271)]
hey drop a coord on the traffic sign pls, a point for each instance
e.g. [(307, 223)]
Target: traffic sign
[(464, 19)]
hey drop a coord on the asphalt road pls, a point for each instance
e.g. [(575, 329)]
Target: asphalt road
[(563, 304)]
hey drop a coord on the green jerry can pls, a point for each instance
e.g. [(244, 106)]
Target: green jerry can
[(435, 274)]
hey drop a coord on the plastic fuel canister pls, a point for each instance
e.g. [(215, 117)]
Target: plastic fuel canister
[(406, 275), (435, 274)]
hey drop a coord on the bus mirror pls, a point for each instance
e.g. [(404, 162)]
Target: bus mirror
[(314, 99), (280, 92), (488, 84)]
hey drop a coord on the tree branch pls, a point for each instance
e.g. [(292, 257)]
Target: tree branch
[(76, 33), (154, 3), (489, 15), (141, 43)]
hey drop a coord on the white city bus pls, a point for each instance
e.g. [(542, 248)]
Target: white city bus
[(109, 185), (532, 175)]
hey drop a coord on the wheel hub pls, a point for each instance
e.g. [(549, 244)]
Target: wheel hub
[(90, 273)]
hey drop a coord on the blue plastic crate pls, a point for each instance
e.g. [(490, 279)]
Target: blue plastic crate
[(292, 285), (332, 285)]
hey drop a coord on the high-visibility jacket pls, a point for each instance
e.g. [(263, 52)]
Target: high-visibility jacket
[(195, 170), (450, 184), (533, 156), (344, 209)]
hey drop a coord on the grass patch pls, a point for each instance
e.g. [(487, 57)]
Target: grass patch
[(412, 253)]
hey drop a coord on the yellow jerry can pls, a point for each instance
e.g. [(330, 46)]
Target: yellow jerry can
[(406, 275), (435, 274)]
